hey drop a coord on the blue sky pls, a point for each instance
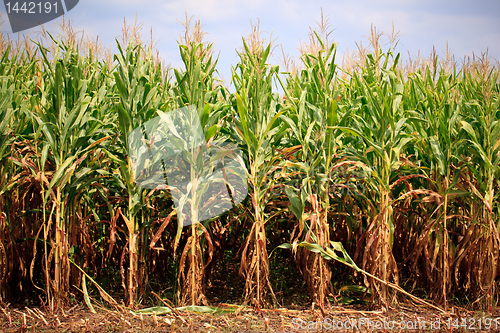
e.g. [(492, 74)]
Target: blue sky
[(467, 26)]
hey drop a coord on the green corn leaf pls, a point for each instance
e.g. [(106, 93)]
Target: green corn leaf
[(86, 295), (297, 206)]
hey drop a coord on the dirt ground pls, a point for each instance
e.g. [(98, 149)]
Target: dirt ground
[(233, 318)]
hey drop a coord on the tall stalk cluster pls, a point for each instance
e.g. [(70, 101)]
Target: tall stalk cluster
[(395, 167)]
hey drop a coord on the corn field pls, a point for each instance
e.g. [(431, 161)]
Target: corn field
[(384, 171)]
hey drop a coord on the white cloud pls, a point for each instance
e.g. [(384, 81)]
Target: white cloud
[(206, 10)]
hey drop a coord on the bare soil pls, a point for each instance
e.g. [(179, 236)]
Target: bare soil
[(234, 318)]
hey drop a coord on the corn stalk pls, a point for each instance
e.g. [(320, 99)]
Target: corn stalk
[(378, 138), (482, 144), (257, 129), (139, 97), (69, 135), (312, 111)]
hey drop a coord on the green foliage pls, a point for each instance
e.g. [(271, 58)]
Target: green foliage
[(393, 175)]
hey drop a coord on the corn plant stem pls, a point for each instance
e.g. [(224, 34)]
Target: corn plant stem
[(132, 255), (59, 253), (445, 250), (260, 230), (194, 242), (385, 243), (46, 253)]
